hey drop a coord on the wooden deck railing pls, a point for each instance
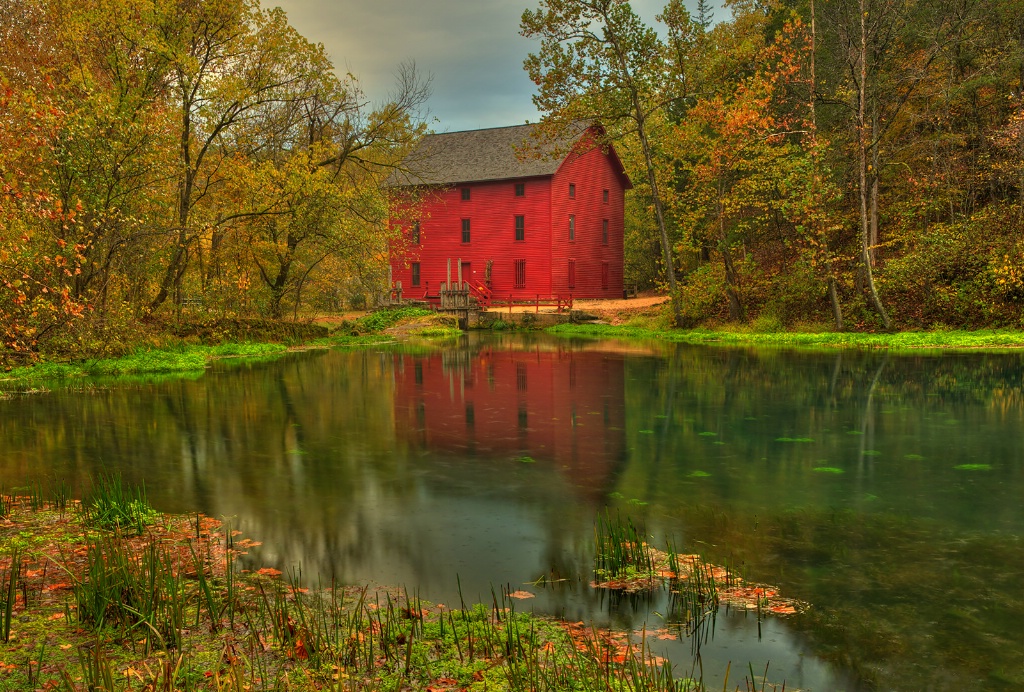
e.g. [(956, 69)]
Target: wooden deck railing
[(560, 303)]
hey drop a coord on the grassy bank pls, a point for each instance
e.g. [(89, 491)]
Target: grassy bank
[(185, 358), (180, 359), (91, 599), (900, 341)]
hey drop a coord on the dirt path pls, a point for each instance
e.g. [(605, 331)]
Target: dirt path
[(614, 311), (638, 303), (620, 310)]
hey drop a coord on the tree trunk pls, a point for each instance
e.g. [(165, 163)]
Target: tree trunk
[(833, 296), (179, 260), (833, 291), (864, 190), (736, 311), (873, 177), (659, 212), (640, 119)]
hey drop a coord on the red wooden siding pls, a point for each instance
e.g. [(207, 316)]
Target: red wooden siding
[(543, 256), (492, 209), (591, 172), (565, 407)]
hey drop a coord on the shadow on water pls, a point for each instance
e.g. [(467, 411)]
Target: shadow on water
[(883, 490)]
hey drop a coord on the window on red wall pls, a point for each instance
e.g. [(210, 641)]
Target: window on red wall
[(465, 230), (572, 227), (520, 189), (520, 273), (415, 232), (572, 190), (465, 194), (604, 275), (572, 273), (604, 231), (415, 273), (604, 196), (520, 228)]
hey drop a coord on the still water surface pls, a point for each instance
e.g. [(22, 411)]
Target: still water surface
[(886, 491)]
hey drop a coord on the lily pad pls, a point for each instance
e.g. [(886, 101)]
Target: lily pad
[(973, 467), (913, 457), (698, 474), (708, 433), (828, 469), (794, 439), (646, 432), (526, 460)]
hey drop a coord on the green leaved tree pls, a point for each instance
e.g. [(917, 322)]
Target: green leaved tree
[(599, 62)]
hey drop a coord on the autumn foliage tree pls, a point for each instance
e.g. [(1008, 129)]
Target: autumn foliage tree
[(599, 62), (812, 160), (38, 268), (162, 154)]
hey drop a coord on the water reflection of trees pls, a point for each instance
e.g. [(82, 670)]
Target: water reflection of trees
[(330, 461), (912, 566), (759, 423)]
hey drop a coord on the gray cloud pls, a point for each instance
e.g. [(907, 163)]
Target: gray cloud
[(473, 51)]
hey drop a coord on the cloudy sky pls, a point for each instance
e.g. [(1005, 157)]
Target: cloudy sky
[(471, 48)]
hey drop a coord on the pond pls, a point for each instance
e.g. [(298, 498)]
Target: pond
[(885, 491)]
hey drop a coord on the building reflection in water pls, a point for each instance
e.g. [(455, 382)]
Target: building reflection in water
[(545, 405)]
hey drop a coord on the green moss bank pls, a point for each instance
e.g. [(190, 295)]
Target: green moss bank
[(899, 341), (220, 339)]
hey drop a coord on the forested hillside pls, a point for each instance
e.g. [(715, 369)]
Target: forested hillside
[(858, 163), (164, 153), (854, 163)]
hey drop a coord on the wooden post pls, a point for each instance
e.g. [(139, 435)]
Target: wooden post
[(449, 272), (460, 274)]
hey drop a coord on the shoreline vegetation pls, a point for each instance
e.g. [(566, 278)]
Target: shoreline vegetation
[(940, 340), (185, 356), (108, 594), (394, 325)]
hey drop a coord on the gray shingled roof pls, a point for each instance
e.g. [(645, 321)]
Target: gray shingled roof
[(499, 153)]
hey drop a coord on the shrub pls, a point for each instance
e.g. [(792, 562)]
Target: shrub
[(115, 507), (379, 320), (703, 295)]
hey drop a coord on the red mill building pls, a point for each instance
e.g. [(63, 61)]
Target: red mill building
[(523, 225)]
